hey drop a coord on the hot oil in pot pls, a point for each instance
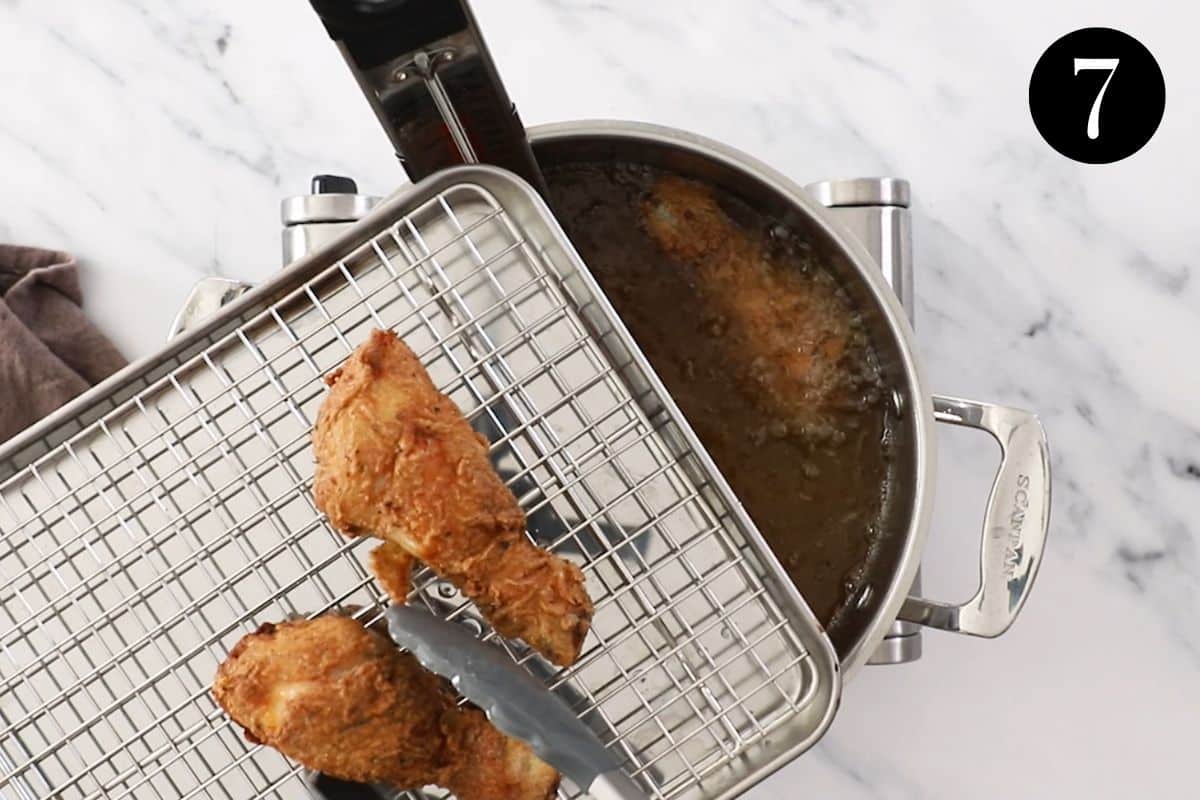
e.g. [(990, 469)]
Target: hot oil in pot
[(761, 349)]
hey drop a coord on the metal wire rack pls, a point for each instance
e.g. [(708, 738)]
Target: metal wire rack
[(173, 515)]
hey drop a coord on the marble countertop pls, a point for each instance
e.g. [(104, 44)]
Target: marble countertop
[(154, 139)]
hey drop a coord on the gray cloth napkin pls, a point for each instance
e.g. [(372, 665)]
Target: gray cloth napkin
[(49, 351)]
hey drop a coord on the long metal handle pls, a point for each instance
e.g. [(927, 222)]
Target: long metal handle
[(1015, 524), (426, 71), (615, 785)]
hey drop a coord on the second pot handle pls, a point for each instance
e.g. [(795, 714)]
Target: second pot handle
[(1015, 523)]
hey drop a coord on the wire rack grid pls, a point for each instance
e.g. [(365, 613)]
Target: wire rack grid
[(134, 554)]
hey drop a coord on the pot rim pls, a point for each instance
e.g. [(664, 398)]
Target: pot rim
[(925, 453)]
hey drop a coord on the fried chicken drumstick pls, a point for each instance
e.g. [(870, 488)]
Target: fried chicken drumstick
[(344, 700), (397, 460)]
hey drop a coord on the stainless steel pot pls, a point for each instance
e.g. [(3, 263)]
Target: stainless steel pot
[(1017, 511)]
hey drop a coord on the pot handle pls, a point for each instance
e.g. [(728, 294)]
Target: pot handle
[(1015, 523), (429, 76)]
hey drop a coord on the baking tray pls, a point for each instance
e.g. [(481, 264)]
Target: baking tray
[(148, 525)]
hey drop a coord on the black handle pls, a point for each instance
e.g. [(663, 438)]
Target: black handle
[(376, 31), (333, 184), (428, 74), (334, 789)]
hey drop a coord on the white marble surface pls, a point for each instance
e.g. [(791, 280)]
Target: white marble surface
[(154, 139)]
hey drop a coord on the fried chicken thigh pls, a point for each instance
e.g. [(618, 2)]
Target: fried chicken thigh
[(344, 700), (397, 460)]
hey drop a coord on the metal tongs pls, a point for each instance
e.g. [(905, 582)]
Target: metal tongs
[(516, 702)]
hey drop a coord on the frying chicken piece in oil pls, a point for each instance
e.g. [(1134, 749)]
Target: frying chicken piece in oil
[(799, 353), (343, 700), (397, 460)]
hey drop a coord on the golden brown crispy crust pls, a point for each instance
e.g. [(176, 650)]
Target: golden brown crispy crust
[(393, 566), (397, 460), (345, 701)]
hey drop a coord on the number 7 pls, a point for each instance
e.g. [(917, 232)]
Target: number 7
[(1110, 64)]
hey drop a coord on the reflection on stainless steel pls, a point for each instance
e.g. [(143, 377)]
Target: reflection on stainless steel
[(876, 211), (1014, 526), (862, 192)]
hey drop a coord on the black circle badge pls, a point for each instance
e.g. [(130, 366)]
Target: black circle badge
[(1097, 95)]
